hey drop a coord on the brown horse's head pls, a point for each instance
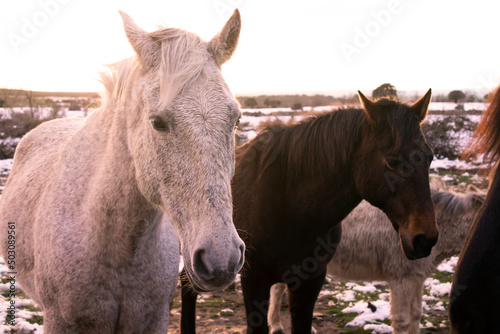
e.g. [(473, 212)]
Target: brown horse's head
[(396, 179)]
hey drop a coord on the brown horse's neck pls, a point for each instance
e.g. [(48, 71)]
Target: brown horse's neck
[(290, 190)]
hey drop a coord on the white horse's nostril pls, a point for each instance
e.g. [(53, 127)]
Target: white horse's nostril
[(202, 266)]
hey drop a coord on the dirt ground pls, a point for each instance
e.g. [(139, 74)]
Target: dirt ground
[(326, 319)]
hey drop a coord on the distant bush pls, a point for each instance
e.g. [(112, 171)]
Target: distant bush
[(449, 136), (8, 147), (12, 129), (455, 112)]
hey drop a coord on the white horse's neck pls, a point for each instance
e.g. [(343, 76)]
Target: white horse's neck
[(122, 215)]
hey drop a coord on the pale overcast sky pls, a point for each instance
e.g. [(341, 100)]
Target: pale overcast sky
[(285, 46)]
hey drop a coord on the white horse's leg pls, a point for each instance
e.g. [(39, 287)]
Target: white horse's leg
[(400, 306), (273, 315), (103, 320), (416, 306)]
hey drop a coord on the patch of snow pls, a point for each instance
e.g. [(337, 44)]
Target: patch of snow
[(382, 328), (448, 265), (448, 178), (367, 287), (441, 289), (365, 313), (384, 296), (439, 306), (9, 141), (428, 324), (429, 298), (346, 296), (446, 163), (5, 165), (446, 106), (431, 281)]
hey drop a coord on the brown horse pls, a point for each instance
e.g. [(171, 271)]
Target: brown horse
[(475, 294), (295, 183)]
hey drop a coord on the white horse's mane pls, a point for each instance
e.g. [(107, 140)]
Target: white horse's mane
[(179, 59)]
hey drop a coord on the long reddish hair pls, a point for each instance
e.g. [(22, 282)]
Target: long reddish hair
[(486, 139)]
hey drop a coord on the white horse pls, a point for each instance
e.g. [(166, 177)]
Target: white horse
[(369, 251), (98, 205)]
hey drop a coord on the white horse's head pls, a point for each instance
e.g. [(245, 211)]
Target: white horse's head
[(181, 138)]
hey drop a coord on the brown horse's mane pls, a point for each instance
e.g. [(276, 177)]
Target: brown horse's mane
[(486, 138), (314, 145)]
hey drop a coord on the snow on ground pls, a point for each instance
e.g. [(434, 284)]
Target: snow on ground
[(433, 106), (9, 141), (253, 122), (366, 287), (23, 311), (446, 163), (346, 296), (436, 288), (373, 320), (5, 166), (369, 319), (448, 265), (438, 117)]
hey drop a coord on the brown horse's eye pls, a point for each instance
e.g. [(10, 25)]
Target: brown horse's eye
[(159, 124), (393, 162)]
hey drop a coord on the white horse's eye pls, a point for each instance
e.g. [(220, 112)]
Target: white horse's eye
[(237, 122), (159, 124)]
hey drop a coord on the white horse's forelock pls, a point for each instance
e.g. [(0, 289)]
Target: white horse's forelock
[(179, 59)]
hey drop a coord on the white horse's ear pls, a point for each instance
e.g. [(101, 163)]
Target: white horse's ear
[(141, 41), (223, 45)]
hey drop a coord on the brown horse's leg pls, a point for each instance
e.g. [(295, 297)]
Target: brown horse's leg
[(301, 302), (188, 309), (256, 294)]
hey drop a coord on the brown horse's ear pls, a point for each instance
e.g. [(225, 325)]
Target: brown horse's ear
[(421, 107), (141, 41), (223, 45), (372, 111)]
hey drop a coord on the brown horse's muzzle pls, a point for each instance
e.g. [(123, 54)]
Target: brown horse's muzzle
[(419, 236), (421, 246)]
